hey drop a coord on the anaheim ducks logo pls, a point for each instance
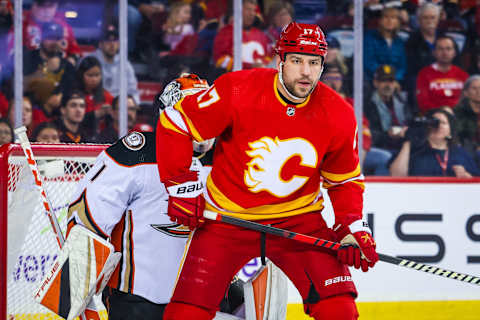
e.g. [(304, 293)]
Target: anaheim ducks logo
[(134, 140), (172, 229), (269, 157)]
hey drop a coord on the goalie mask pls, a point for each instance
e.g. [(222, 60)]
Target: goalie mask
[(187, 84)]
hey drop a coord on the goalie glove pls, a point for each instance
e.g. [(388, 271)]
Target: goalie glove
[(186, 202), (358, 246), (82, 269)]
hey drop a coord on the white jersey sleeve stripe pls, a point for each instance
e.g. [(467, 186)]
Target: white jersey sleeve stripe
[(80, 211), (176, 117)]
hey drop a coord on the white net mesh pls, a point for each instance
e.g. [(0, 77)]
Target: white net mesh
[(31, 243)]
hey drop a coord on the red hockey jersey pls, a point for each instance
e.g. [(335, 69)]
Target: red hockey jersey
[(270, 157), (255, 48), (436, 89), (32, 34)]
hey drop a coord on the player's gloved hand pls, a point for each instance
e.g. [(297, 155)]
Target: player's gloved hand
[(186, 202), (358, 246), (185, 85)]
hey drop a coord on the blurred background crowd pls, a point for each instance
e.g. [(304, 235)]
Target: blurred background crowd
[(421, 108)]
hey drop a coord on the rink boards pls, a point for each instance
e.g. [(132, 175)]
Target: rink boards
[(436, 223)]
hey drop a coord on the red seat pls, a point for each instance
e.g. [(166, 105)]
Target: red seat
[(86, 49)]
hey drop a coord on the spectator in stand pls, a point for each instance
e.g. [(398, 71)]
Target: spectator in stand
[(109, 58), (335, 57), (373, 9), (3, 105), (148, 8), (109, 133), (468, 117), (419, 47), (339, 16), (89, 82), (70, 123), (387, 111), (441, 83), (471, 52), (47, 74), (136, 11), (254, 42), (177, 25), (452, 20), (46, 132), (144, 16), (6, 132), (6, 57), (279, 14), (333, 77), (213, 20), (179, 48), (375, 159), (26, 113), (215, 10), (437, 154), (6, 18), (474, 58), (44, 11), (384, 46)]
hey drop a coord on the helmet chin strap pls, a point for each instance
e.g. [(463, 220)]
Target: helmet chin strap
[(290, 94), (280, 77)]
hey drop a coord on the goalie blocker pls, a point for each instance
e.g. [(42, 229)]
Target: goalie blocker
[(82, 269)]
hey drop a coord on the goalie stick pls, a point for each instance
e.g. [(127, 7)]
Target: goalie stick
[(90, 313), (335, 246)]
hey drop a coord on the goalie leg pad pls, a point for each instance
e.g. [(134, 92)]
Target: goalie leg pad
[(266, 294), (180, 311), (340, 307), (82, 269)]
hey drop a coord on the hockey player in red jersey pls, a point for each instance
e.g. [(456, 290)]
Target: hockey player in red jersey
[(279, 134)]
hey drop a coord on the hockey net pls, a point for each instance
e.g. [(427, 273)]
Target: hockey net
[(27, 244)]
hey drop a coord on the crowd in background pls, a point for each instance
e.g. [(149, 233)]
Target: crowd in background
[(421, 69)]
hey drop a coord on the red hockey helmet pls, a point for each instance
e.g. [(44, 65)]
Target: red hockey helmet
[(301, 38)]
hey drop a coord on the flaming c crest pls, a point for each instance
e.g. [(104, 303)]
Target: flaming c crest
[(269, 155)]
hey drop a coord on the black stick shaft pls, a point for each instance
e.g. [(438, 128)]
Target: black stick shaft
[(335, 246)]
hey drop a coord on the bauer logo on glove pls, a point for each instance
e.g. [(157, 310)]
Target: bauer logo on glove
[(186, 202), (187, 189)]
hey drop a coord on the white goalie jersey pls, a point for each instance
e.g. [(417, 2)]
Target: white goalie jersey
[(121, 198)]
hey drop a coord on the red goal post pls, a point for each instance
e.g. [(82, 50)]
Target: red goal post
[(32, 246)]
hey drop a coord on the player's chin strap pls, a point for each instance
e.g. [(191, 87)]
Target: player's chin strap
[(291, 95)]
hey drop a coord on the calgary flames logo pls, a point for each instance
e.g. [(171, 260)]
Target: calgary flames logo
[(269, 157)]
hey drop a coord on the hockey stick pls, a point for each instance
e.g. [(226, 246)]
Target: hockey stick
[(335, 246), (90, 313)]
